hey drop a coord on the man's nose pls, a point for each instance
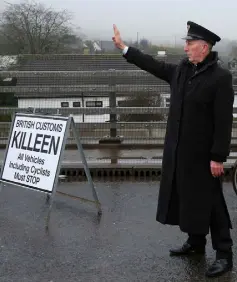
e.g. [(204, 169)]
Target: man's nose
[(185, 48)]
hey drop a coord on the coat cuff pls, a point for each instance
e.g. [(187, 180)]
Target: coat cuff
[(127, 51), (218, 158)]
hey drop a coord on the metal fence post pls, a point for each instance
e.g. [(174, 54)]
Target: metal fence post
[(113, 138), (112, 105)]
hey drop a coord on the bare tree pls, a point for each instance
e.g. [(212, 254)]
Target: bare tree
[(33, 28)]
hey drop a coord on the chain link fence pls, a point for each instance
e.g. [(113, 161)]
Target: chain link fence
[(111, 100)]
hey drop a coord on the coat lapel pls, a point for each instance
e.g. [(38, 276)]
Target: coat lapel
[(181, 78)]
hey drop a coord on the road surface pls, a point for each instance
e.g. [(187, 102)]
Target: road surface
[(125, 245)]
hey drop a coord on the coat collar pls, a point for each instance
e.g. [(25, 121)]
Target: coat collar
[(211, 59)]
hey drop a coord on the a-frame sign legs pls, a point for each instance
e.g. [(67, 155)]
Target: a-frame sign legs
[(34, 154), (57, 173), (86, 168), (71, 124)]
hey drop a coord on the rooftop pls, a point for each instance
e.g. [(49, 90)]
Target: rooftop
[(75, 74)]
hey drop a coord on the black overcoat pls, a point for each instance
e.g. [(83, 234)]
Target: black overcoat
[(198, 130)]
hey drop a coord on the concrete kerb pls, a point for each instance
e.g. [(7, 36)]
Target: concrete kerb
[(74, 170)]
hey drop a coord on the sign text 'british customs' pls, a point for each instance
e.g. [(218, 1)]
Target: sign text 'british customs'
[(33, 151)]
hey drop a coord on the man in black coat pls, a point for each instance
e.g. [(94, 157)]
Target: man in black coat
[(197, 142)]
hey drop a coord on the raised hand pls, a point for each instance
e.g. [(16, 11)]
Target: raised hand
[(117, 39)]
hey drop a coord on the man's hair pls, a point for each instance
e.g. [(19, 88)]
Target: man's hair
[(210, 46)]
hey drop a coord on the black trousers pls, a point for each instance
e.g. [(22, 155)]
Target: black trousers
[(219, 228)]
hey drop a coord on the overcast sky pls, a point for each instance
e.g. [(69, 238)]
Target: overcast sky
[(153, 19)]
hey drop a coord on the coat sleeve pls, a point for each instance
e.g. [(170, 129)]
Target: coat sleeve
[(162, 70), (223, 118)]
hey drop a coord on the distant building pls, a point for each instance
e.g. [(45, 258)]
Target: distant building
[(161, 54), (62, 91), (87, 90), (107, 46)]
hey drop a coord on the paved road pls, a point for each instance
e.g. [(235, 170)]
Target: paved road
[(126, 245), (71, 158), (100, 154)]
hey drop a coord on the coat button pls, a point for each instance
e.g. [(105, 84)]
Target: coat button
[(189, 82)]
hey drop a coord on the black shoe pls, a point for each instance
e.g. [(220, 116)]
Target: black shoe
[(219, 267), (187, 249)]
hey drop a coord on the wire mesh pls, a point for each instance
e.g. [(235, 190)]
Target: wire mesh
[(110, 99)]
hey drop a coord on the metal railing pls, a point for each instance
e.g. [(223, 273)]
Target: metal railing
[(42, 88), (124, 133)]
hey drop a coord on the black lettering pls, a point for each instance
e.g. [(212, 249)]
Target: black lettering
[(15, 139), (37, 142), (45, 143), (20, 157), (25, 123), (18, 176), (23, 141), (19, 123), (54, 145), (60, 126), (49, 126), (28, 146)]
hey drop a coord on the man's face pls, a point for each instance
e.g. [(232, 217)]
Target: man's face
[(195, 50)]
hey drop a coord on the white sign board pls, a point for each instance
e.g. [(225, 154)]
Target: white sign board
[(33, 152)]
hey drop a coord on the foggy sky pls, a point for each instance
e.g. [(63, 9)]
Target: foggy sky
[(154, 19)]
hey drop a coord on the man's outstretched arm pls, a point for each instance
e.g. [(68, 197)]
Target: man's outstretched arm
[(145, 62)]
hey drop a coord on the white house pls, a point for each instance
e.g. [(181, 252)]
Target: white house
[(70, 102), (85, 96)]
